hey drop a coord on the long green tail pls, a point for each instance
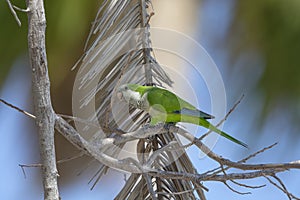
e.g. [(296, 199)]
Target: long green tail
[(201, 122)]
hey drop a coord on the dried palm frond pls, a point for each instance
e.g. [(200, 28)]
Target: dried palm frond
[(119, 51)]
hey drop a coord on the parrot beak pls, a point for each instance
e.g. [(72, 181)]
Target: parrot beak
[(120, 95)]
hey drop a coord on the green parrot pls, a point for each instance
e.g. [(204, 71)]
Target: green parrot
[(164, 106)]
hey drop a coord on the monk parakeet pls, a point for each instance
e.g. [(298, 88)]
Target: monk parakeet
[(164, 106)]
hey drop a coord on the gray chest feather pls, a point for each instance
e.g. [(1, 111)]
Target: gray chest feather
[(140, 102)]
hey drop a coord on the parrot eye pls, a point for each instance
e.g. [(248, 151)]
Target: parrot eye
[(126, 88)]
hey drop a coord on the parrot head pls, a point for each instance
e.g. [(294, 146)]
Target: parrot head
[(129, 93)]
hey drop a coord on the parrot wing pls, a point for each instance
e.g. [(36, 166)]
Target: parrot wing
[(179, 110), (171, 103)]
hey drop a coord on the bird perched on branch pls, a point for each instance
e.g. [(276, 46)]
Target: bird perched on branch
[(166, 107)]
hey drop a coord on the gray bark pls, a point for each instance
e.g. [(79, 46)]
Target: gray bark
[(41, 96)]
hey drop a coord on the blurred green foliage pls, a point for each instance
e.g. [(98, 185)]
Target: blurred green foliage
[(272, 28), (68, 23), (12, 39)]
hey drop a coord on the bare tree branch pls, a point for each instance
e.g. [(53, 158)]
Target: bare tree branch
[(248, 186), (41, 96)]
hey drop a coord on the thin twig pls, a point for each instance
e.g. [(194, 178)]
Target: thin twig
[(31, 165), (18, 109), (234, 190), (77, 119), (71, 158), (40, 165), (21, 9), (258, 152), (182, 192), (248, 186), (282, 188), (12, 10), (225, 118)]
